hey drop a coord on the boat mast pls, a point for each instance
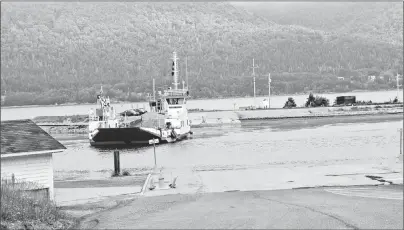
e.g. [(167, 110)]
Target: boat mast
[(186, 71), (175, 70), (154, 90)]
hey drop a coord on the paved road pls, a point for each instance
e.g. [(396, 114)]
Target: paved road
[(319, 208)]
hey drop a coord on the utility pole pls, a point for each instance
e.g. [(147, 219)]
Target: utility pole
[(253, 74), (269, 90)]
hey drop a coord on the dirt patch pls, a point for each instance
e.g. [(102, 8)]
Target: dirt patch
[(378, 178), (84, 212)]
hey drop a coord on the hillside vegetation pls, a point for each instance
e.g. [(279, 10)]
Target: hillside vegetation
[(376, 21), (63, 52)]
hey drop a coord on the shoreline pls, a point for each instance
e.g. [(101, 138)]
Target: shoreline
[(231, 118), (320, 116), (193, 99)]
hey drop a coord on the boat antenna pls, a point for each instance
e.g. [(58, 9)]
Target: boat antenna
[(174, 72)]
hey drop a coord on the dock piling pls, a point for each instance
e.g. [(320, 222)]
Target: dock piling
[(13, 179), (117, 166)]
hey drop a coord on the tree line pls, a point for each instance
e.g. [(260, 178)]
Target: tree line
[(63, 52)]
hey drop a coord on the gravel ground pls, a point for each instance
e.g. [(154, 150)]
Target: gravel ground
[(298, 208)]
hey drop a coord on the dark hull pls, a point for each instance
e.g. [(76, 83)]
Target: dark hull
[(122, 136)]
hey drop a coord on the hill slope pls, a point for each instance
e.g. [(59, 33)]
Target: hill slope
[(63, 52), (378, 21)]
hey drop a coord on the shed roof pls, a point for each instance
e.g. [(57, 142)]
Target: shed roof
[(24, 136)]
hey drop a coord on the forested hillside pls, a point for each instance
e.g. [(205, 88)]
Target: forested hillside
[(62, 52), (376, 21)]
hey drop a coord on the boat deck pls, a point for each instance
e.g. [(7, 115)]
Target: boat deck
[(149, 120)]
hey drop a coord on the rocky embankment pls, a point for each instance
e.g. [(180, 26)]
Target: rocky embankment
[(78, 124)]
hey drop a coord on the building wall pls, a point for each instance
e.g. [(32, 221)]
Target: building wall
[(32, 168)]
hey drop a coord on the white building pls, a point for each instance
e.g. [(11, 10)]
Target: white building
[(265, 104), (26, 155)]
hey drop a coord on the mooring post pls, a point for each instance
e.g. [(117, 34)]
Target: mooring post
[(12, 179), (117, 166)]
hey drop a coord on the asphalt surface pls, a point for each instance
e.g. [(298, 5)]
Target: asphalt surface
[(359, 207)]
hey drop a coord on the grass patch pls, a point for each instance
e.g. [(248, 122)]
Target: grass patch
[(115, 174), (22, 209), (124, 173)]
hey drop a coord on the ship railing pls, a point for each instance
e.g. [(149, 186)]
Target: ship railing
[(175, 92)]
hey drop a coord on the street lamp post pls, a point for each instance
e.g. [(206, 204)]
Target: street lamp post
[(154, 142)]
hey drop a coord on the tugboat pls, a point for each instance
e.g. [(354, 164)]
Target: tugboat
[(167, 120)]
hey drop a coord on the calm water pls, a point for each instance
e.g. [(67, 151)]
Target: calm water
[(249, 145), (219, 104)]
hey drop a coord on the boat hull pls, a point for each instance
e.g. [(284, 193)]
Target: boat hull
[(134, 136)]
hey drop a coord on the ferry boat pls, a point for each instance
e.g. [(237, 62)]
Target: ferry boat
[(167, 119)]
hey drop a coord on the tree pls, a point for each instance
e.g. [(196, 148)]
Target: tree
[(290, 103), (310, 100), (395, 100), (81, 47), (316, 101)]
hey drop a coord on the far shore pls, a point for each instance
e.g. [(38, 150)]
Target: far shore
[(59, 125), (193, 99)]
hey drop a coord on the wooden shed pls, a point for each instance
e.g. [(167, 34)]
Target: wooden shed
[(26, 155)]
